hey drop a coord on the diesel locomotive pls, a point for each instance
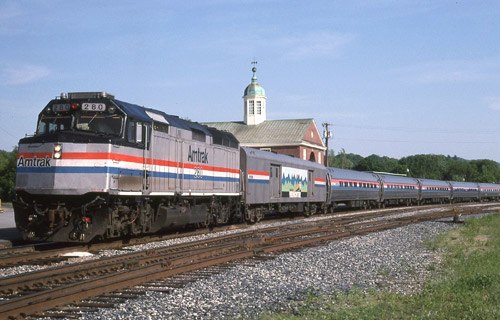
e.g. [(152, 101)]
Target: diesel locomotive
[(101, 168)]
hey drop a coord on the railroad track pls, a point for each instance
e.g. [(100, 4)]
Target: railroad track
[(38, 291)]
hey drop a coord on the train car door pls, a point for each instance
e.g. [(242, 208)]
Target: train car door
[(310, 183), (144, 135), (328, 187), (179, 176), (275, 181), (175, 163)]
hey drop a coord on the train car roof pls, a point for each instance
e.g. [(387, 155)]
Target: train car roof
[(352, 174), (464, 184), (148, 114), (388, 178), (434, 183), (280, 158), (489, 185)]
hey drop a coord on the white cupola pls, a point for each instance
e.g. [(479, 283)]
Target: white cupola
[(254, 102)]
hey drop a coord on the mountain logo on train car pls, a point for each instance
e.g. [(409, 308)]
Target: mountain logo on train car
[(197, 155), (33, 162)]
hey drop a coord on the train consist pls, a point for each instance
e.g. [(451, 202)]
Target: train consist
[(100, 168)]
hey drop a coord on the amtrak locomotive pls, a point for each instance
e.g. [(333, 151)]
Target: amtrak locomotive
[(100, 168)]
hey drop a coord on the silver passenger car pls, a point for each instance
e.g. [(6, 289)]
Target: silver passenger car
[(489, 191), (464, 191), (354, 189), (434, 191), (398, 189)]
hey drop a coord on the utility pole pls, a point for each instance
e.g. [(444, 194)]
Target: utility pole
[(327, 134)]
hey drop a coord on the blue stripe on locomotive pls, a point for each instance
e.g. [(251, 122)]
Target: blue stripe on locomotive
[(115, 170)]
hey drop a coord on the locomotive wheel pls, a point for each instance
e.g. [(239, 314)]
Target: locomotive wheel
[(258, 215), (250, 216), (307, 210)]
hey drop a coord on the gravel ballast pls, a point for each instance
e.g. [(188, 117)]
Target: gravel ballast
[(395, 260)]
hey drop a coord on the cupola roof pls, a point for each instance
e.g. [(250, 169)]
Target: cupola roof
[(254, 88)]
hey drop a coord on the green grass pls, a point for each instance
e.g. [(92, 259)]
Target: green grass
[(467, 286)]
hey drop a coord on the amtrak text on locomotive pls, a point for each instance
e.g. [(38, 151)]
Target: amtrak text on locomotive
[(33, 162), (197, 155)]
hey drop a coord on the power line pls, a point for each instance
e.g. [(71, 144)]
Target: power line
[(410, 129), (419, 141)]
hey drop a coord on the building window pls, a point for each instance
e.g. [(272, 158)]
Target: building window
[(304, 154), (251, 108), (319, 157), (259, 107), (312, 134)]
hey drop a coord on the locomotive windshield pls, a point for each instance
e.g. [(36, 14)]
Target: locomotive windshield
[(59, 117), (98, 122)]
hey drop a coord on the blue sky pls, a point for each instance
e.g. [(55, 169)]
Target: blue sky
[(394, 78)]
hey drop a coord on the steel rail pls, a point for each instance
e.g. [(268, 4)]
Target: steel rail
[(212, 252)]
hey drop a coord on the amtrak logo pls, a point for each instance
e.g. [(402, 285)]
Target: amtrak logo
[(197, 155), (33, 162)]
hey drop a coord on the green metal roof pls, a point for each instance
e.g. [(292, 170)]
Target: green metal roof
[(268, 133), (254, 88)]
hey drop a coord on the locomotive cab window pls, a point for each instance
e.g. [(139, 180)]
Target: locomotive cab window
[(137, 132), (53, 123)]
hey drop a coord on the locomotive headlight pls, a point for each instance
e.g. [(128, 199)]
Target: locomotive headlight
[(57, 151)]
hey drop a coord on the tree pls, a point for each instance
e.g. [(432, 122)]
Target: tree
[(380, 164), (343, 160), (485, 171), (7, 174)]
